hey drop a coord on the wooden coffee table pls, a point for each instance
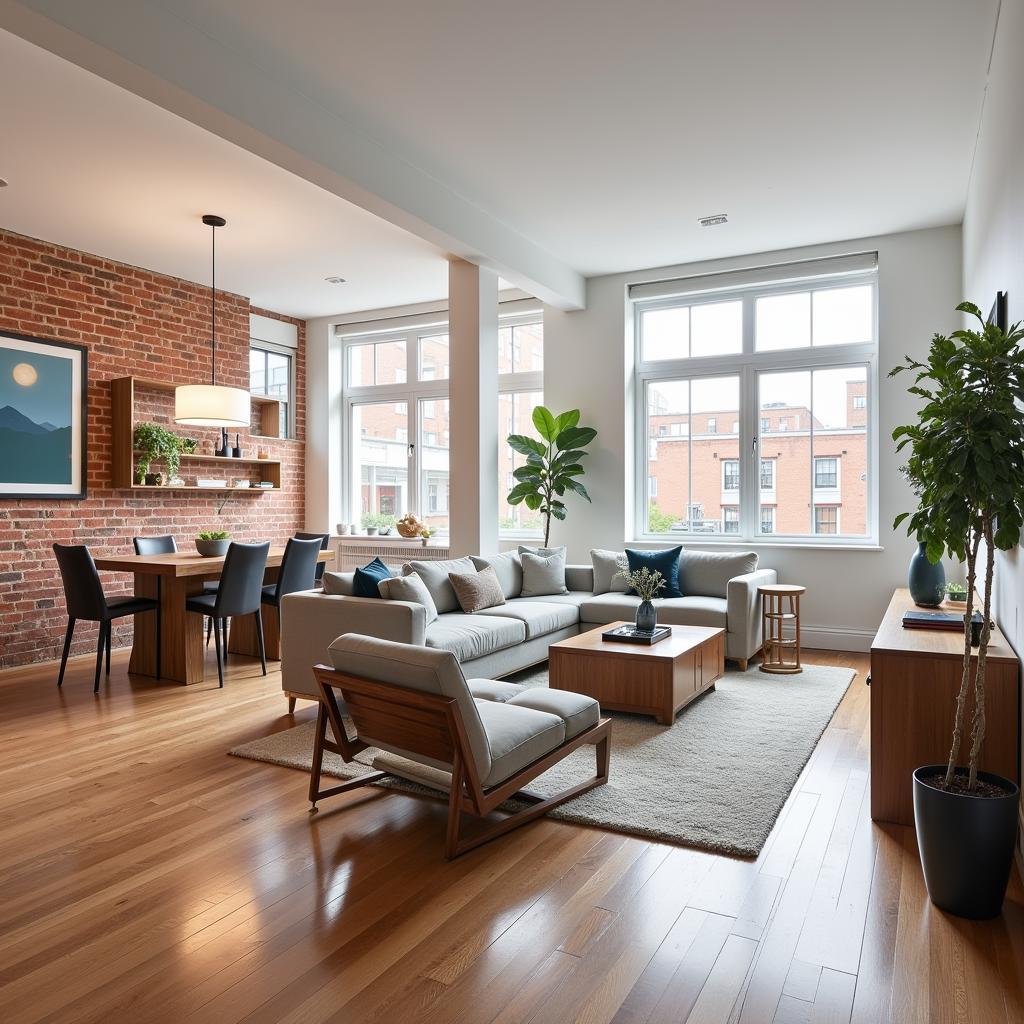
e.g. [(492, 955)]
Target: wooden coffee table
[(656, 680)]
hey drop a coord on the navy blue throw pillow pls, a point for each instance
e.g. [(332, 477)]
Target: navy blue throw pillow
[(665, 562), (367, 578)]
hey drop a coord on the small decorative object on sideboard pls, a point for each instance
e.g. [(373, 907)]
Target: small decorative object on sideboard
[(926, 579), (213, 543), (342, 529), (646, 585), (236, 452), (154, 479), (956, 592), (409, 526), (261, 453)]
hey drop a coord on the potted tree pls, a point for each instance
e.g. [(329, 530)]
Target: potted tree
[(966, 464)]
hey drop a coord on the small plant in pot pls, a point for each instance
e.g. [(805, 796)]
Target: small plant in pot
[(966, 464), (213, 543), (646, 584), (956, 592)]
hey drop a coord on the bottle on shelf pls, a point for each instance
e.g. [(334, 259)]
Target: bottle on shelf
[(237, 451)]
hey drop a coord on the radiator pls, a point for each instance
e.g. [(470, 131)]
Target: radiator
[(353, 553)]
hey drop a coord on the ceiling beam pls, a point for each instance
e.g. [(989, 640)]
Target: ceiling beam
[(150, 51)]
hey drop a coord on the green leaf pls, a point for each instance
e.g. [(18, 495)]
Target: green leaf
[(575, 437), (545, 423), (527, 473), (567, 420), (534, 501), (526, 445), (575, 485), (558, 513)]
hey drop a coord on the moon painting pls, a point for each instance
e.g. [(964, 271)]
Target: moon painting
[(42, 418)]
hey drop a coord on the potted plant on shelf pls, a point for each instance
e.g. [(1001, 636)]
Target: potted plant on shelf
[(966, 464), (552, 465), (213, 543), (154, 442), (956, 592)]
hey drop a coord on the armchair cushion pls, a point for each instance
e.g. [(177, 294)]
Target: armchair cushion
[(516, 737), (576, 711)]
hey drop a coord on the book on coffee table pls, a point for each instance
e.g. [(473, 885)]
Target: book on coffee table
[(631, 635), (953, 621)]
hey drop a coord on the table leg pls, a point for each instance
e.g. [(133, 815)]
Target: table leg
[(143, 659), (181, 632)]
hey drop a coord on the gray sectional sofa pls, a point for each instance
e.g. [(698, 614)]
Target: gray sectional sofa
[(720, 589)]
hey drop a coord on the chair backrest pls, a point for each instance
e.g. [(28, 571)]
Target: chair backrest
[(165, 545), (83, 591), (408, 667), (298, 567), (325, 539), (241, 582)]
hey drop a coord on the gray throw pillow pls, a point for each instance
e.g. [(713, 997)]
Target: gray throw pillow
[(707, 573), (508, 568), (338, 584), (477, 590), (409, 588), (435, 576), (606, 569), (543, 574)]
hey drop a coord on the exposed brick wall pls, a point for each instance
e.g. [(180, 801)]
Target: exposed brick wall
[(133, 322)]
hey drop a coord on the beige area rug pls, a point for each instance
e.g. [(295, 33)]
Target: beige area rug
[(716, 780)]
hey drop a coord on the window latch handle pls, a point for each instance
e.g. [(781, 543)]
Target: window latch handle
[(753, 443)]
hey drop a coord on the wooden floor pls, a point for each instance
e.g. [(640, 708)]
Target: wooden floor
[(145, 876)]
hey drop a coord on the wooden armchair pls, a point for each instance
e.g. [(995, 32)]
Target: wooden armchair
[(414, 702)]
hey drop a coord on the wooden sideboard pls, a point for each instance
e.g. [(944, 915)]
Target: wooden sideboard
[(915, 678)]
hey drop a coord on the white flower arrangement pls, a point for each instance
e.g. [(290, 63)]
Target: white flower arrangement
[(643, 581)]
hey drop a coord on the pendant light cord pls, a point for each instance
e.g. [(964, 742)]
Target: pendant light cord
[(213, 302)]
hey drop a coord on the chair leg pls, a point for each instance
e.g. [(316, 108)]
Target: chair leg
[(209, 630), (67, 647), (224, 629), (110, 630), (158, 617), (259, 637), (100, 644), (220, 653)]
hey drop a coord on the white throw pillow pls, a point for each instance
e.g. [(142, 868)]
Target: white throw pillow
[(409, 588), (606, 572), (543, 574)]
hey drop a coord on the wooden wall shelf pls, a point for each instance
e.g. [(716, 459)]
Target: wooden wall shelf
[(123, 394)]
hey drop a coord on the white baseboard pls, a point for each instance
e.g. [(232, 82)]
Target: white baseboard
[(833, 638)]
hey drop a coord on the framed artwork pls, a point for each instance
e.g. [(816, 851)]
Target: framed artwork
[(43, 418), (999, 313)]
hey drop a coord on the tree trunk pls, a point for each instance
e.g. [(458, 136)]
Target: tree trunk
[(978, 725), (965, 679)]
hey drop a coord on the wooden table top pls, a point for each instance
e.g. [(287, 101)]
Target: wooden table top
[(683, 640), (893, 638), (182, 563), (782, 589)]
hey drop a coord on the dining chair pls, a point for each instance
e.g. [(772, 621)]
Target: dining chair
[(325, 539), (240, 593), (164, 544), (83, 594), (297, 572)]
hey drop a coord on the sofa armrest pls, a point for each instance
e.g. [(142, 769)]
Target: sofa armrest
[(580, 577), (743, 612), (310, 621)]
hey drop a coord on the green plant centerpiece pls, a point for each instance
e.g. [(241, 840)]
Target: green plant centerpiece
[(553, 464), (213, 535), (153, 443), (646, 584), (213, 543), (966, 464), (956, 592)]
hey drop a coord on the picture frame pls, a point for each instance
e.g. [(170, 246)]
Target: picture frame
[(999, 313), (44, 418)]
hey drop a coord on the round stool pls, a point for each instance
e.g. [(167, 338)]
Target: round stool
[(780, 628)]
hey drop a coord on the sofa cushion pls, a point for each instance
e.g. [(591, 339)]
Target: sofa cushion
[(509, 569), (516, 737), (606, 571), (543, 574), (477, 590), (473, 636), (707, 573), (573, 597), (368, 577), (576, 711), (672, 611), (538, 617), (664, 561), (408, 588), (435, 575)]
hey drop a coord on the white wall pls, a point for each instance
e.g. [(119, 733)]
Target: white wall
[(587, 365), (993, 241)]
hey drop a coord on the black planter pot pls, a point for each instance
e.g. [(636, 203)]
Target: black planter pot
[(966, 844)]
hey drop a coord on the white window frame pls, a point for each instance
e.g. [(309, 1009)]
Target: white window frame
[(747, 365), (290, 353)]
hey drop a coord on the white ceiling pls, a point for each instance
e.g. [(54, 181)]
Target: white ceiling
[(598, 130), (96, 168)]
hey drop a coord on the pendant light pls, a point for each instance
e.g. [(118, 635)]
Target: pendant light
[(213, 404)]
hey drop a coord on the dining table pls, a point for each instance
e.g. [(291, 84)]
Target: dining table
[(172, 579)]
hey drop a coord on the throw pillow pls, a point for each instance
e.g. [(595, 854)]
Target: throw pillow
[(367, 578), (606, 572), (435, 576), (509, 570), (339, 584), (665, 562), (707, 573), (408, 588), (543, 574), (477, 590)]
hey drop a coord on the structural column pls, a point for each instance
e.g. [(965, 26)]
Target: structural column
[(473, 412)]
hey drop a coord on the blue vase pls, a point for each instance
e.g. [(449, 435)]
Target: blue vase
[(927, 582), (646, 616)]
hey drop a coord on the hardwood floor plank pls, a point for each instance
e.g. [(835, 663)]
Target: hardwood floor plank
[(722, 988)]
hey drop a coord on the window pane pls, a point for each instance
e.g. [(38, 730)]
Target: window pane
[(785, 405), (841, 449), (434, 361), (380, 462), (692, 487), (716, 329), (515, 416), (257, 371), (842, 316), (380, 362), (433, 451), (665, 333), (521, 348), (782, 321), (279, 369)]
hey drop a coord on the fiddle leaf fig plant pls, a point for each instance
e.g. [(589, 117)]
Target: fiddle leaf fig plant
[(966, 465), (553, 464)]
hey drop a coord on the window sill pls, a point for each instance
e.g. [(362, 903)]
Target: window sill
[(800, 545)]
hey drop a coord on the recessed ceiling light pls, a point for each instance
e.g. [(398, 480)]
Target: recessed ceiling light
[(711, 221), (335, 280)]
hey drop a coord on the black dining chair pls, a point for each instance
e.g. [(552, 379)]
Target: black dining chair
[(297, 572), (240, 593), (164, 544), (83, 594), (325, 539)]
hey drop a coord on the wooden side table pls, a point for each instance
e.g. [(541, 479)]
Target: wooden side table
[(780, 628)]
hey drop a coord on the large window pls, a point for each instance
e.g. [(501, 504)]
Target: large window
[(271, 373), (785, 360)]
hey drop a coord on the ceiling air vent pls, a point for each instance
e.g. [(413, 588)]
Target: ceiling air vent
[(714, 219)]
